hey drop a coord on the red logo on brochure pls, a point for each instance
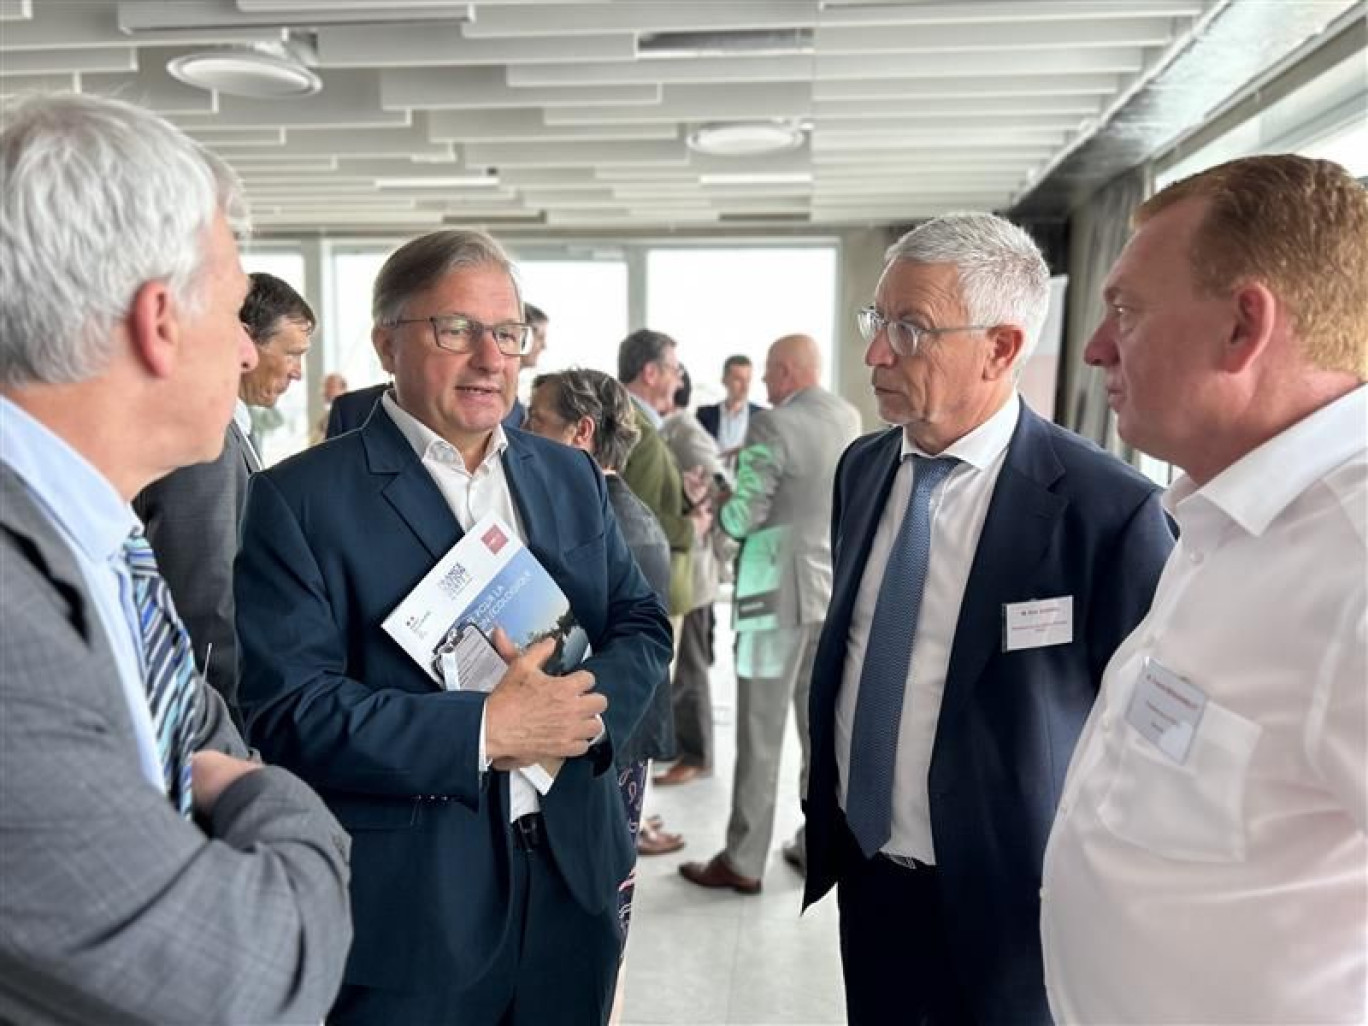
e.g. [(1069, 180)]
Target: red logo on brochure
[(494, 539)]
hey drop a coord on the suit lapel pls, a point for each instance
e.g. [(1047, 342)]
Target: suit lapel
[(531, 499), (874, 478), (23, 518), (410, 490), (245, 450), (1022, 517)]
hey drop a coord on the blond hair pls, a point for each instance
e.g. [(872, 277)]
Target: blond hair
[(1300, 227)]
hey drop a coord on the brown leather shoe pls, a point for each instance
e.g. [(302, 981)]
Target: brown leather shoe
[(716, 873), (679, 773), (655, 840)]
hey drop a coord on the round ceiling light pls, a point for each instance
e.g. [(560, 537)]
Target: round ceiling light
[(746, 138), (243, 71)]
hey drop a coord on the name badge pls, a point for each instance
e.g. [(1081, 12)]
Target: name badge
[(1037, 624), (1166, 710)]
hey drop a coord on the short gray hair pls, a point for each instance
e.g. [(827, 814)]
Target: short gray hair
[(1003, 277), (421, 263), (99, 198), (580, 392)]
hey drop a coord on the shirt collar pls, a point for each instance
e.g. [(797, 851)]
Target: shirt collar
[(1254, 489), (429, 444), (980, 447), (651, 415), (243, 418), (76, 496)]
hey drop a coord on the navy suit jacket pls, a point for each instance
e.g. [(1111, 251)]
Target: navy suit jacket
[(352, 409), (332, 540), (711, 416), (1065, 518)]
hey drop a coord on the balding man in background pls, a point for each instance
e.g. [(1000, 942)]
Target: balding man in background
[(780, 511)]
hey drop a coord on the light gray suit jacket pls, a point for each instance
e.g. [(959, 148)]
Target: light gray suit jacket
[(192, 517), (784, 475), (114, 909)]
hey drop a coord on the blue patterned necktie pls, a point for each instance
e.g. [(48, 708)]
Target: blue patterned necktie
[(173, 694), (878, 709)]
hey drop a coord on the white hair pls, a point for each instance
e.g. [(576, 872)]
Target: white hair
[(1003, 278), (98, 198)]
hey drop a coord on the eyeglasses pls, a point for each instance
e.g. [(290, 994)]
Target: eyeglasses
[(904, 338), (458, 333)]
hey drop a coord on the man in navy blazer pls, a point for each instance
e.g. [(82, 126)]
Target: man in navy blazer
[(937, 863), (728, 420), (476, 900)]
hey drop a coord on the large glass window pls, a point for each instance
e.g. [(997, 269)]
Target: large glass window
[(716, 302), (586, 301), (283, 429), (348, 329)]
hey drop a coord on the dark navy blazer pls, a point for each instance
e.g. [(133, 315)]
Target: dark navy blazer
[(1065, 519), (332, 540), (711, 416)]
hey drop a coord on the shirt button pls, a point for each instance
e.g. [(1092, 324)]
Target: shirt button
[(1196, 558), (1107, 721)]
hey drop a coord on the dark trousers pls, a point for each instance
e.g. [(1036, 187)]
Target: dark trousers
[(558, 965), (691, 692), (894, 950)]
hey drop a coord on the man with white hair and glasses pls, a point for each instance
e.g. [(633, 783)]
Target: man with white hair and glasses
[(149, 872), (986, 565)]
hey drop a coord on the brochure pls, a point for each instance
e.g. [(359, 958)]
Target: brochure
[(488, 579), (759, 571)]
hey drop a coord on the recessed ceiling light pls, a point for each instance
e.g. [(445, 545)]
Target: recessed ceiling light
[(746, 138), (253, 72)]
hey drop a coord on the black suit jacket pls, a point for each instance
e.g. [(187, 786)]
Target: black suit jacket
[(711, 416), (1065, 519), (333, 539), (191, 517)]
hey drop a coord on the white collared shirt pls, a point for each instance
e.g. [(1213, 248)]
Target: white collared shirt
[(731, 427), (242, 417), (959, 507), (1232, 887), (470, 497)]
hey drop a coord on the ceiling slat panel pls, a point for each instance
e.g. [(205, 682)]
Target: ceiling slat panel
[(699, 103), (472, 88), (399, 46), (856, 90), (145, 15), (532, 125), (647, 16), (66, 61)]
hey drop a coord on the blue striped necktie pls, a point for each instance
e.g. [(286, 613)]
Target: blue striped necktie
[(173, 693), (883, 678)]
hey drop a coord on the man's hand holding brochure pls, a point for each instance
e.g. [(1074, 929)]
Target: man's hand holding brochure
[(488, 617)]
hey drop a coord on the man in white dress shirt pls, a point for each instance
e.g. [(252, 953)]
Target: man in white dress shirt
[(1209, 860)]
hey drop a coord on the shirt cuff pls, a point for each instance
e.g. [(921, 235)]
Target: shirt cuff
[(484, 759)]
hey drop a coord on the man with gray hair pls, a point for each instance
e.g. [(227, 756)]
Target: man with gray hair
[(476, 898), (152, 873), (986, 565)]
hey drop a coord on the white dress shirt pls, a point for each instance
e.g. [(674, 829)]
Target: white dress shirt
[(1232, 886), (470, 496), (94, 522), (959, 506), (731, 427)]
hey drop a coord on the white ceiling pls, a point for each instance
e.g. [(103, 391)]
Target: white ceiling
[(575, 114)]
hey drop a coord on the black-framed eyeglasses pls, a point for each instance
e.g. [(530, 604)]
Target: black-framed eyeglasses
[(458, 333), (904, 338)]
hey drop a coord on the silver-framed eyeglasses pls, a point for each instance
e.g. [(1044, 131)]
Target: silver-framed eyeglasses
[(457, 333), (903, 337)]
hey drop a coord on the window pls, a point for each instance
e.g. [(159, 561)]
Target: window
[(586, 301), (716, 302)]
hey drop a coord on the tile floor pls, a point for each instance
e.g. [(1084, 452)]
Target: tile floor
[(703, 957)]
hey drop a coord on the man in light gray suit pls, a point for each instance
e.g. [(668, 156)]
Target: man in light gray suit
[(191, 515), (781, 513), (151, 873)]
